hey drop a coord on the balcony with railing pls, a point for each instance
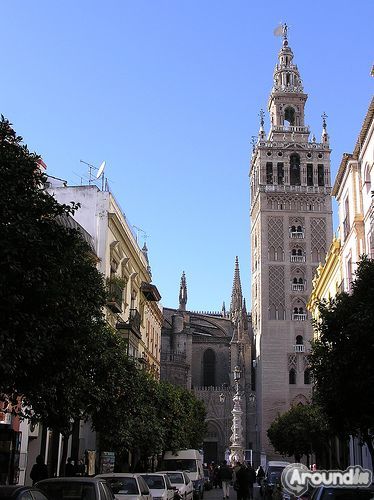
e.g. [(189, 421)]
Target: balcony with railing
[(284, 188), (298, 316), (298, 287), (290, 128), (297, 234), (299, 348), (297, 258), (132, 325), (115, 292)]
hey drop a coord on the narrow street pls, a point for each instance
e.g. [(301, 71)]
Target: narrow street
[(216, 494)]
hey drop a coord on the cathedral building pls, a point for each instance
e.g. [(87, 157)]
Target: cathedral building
[(199, 351), (291, 230)]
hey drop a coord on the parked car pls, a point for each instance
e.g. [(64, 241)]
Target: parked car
[(19, 492), (208, 485), (159, 485), (273, 474), (75, 488), (182, 482), (343, 493), (127, 486)]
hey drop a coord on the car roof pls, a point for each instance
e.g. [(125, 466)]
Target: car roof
[(80, 479), (116, 474)]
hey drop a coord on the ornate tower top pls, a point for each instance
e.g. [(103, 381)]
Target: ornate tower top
[(183, 293), (236, 295), (286, 74)]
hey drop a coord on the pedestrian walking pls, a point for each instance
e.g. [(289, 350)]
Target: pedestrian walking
[(70, 468), (251, 480), (260, 475), (216, 477), (39, 470), (245, 477), (226, 478)]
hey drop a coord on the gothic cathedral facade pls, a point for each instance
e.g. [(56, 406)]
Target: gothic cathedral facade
[(291, 229), (199, 351)]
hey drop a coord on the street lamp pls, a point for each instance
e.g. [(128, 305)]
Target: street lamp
[(236, 448)]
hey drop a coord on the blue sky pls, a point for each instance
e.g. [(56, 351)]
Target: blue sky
[(168, 93)]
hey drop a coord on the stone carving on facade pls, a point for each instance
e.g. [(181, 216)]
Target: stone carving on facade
[(276, 286), (292, 362), (275, 232)]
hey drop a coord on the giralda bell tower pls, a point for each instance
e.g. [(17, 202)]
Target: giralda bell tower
[(291, 230)]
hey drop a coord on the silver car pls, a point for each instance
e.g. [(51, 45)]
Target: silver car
[(75, 488), (127, 486), (183, 484), (159, 485)]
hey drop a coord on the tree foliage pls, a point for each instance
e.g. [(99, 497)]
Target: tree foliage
[(299, 431), (58, 357), (51, 293), (342, 357)]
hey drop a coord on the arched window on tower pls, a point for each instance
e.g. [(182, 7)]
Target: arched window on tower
[(295, 179), (289, 116), (269, 172), (307, 377), (209, 368), (292, 376), (299, 340), (321, 175)]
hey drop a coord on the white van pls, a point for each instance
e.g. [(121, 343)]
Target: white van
[(191, 461)]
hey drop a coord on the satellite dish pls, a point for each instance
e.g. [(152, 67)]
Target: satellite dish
[(101, 170)]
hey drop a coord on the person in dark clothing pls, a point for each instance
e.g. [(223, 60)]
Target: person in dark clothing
[(216, 477), (70, 468), (244, 479), (39, 470), (251, 480), (260, 474), (226, 478)]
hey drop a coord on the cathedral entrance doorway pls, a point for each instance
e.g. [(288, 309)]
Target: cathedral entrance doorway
[(210, 449)]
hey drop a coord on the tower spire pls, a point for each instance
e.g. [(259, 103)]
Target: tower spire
[(183, 293), (325, 135), (236, 295), (261, 132)]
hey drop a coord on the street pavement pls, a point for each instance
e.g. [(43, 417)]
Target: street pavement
[(216, 493)]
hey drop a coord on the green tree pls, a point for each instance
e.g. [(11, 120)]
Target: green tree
[(51, 296), (300, 431), (342, 358)]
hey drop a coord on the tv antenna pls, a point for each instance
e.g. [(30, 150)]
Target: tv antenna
[(140, 230), (100, 173)]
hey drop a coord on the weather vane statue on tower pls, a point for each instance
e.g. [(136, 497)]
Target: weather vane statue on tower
[(281, 30)]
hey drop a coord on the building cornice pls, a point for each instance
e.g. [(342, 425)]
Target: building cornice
[(357, 150)]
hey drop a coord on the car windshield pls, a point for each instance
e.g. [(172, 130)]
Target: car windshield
[(154, 482), (69, 491), (123, 485), (181, 464), (175, 477), (274, 476)]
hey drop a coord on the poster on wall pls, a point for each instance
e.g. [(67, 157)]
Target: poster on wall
[(107, 460)]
